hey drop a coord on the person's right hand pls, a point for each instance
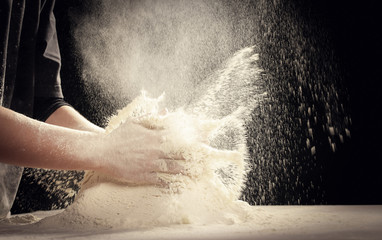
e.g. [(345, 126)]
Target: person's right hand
[(132, 153)]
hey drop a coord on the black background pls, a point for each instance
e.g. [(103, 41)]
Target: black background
[(356, 31)]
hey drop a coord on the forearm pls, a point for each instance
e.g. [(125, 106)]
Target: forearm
[(66, 116), (130, 152), (30, 143)]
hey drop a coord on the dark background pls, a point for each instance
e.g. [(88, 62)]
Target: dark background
[(353, 176), (357, 36), (351, 33)]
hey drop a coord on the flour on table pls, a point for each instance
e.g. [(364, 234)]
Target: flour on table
[(207, 194), (19, 219)]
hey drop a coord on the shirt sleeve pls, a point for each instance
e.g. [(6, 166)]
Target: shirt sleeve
[(48, 58), (44, 107), (48, 93)]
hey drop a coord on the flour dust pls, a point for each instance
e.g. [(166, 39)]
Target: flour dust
[(209, 133), (160, 46)]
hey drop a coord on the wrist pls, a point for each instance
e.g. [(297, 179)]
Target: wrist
[(92, 151)]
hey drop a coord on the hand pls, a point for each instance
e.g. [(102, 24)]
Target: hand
[(132, 153)]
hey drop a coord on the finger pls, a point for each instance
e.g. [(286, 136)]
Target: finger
[(152, 179), (171, 155), (168, 166)]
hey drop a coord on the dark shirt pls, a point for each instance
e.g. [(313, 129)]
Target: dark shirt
[(29, 72), (30, 60)]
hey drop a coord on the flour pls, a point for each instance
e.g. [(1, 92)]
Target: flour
[(19, 219), (207, 193)]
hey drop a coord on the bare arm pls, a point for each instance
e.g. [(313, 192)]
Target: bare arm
[(30, 143), (131, 152), (66, 116)]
